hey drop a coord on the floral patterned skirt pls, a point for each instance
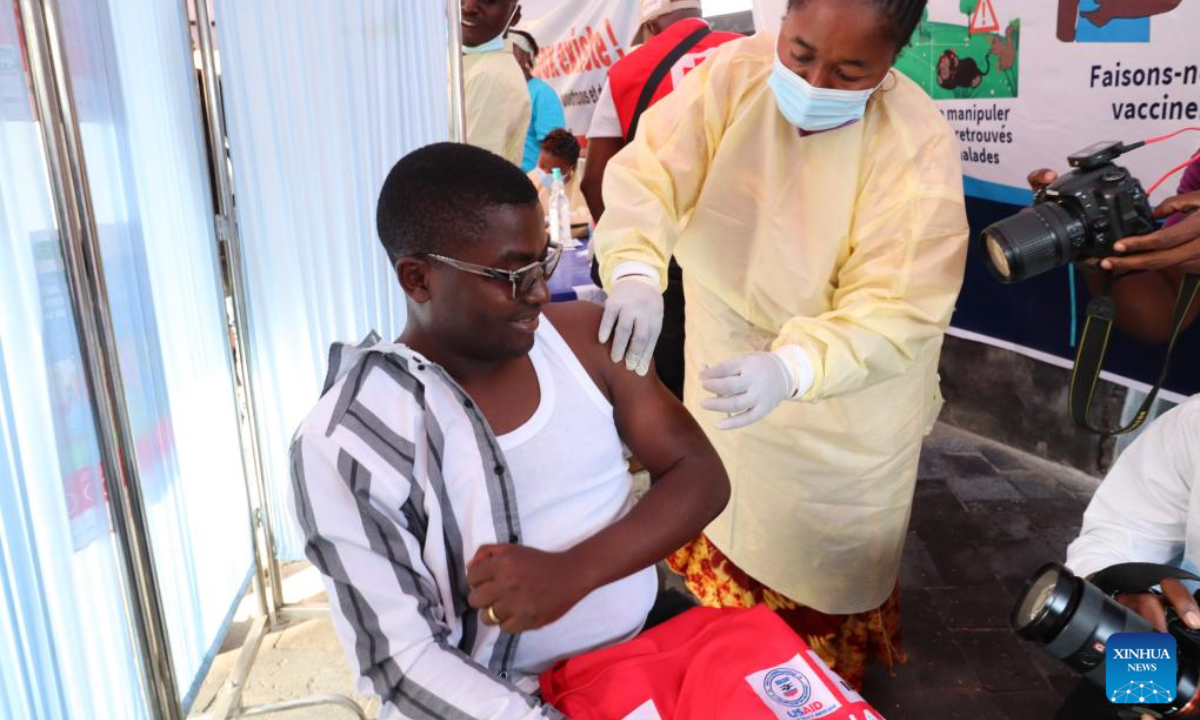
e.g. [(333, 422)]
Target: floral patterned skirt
[(845, 642)]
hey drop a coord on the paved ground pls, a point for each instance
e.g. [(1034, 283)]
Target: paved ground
[(985, 518)]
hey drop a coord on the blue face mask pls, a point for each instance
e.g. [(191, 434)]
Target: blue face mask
[(814, 109), (547, 179), (496, 43)]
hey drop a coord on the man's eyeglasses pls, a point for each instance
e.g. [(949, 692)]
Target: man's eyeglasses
[(522, 280)]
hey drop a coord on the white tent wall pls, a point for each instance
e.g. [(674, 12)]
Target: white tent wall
[(321, 99), (144, 145), (139, 181), (768, 14), (62, 613)]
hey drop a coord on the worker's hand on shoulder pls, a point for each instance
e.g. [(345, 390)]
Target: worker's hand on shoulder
[(633, 316), (747, 388), (521, 588)]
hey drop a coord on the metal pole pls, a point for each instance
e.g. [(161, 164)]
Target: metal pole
[(80, 244), (229, 235), (458, 103)]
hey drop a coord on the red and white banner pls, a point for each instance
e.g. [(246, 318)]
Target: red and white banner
[(579, 41)]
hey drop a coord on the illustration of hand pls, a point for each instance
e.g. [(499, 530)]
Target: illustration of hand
[(1109, 10), (1104, 12)]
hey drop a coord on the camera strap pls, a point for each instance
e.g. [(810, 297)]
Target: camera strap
[(1136, 577), (1093, 347)]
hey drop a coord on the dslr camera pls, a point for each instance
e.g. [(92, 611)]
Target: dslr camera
[(1079, 216), (1072, 619)]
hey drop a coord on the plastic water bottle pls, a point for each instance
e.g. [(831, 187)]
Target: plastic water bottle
[(558, 215)]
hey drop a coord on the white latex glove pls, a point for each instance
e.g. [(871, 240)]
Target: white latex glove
[(747, 388), (635, 309)]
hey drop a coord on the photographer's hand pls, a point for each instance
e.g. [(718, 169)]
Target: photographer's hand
[(1039, 179), (1176, 247), (1153, 607)]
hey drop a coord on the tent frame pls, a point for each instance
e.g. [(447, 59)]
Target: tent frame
[(40, 29)]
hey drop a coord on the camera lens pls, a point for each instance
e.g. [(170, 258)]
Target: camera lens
[(997, 255), (1071, 618), (1045, 603), (1035, 240)]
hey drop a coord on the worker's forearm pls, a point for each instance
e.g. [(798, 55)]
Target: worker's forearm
[(676, 509), (600, 151), (590, 187)]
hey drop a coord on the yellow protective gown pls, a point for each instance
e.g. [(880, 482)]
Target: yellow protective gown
[(498, 105), (849, 244)]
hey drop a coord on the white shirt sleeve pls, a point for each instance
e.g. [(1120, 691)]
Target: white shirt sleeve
[(605, 123), (1140, 511), (386, 608)]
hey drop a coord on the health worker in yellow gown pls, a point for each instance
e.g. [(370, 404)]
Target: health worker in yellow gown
[(813, 196), (497, 98)]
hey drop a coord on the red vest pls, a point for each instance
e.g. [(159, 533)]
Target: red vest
[(627, 78)]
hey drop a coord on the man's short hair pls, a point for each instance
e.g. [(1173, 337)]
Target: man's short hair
[(561, 143), (436, 198)]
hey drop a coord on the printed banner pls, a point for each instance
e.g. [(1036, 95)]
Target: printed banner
[(1094, 70), (579, 41), (1114, 70)]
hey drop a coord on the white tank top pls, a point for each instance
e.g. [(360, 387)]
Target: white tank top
[(571, 481)]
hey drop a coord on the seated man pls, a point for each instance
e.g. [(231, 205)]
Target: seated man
[(560, 150), (1146, 510), (463, 488)]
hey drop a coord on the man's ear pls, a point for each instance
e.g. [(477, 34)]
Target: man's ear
[(516, 20), (413, 274)]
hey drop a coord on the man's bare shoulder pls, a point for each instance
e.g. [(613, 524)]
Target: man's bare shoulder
[(579, 325)]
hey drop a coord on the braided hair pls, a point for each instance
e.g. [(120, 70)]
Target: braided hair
[(903, 16)]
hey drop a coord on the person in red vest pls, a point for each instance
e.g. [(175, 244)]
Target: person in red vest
[(677, 39)]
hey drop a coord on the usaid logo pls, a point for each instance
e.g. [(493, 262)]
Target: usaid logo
[(1140, 668), (796, 689), (787, 687)]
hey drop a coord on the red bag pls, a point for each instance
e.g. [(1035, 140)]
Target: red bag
[(705, 664)]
